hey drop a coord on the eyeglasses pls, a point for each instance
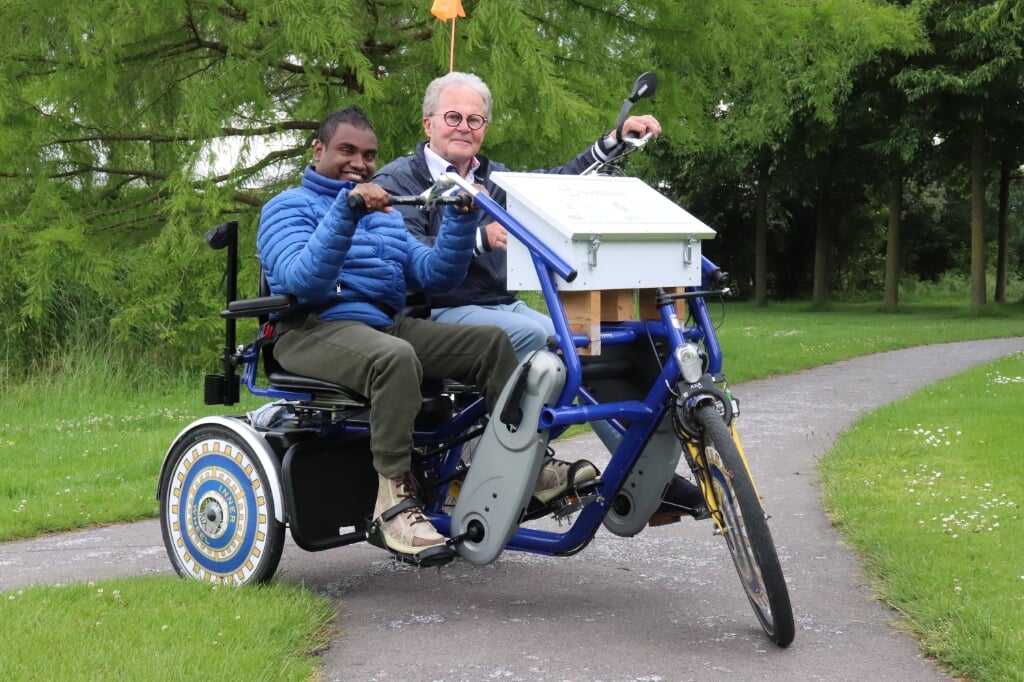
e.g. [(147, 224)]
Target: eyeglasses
[(474, 121)]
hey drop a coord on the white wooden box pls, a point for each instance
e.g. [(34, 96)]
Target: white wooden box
[(617, 232)]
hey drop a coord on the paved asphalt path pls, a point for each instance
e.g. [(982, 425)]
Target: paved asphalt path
[(664, 606)]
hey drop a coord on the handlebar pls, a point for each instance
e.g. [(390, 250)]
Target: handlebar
[(626, 144), (637, 142), (356, 202)]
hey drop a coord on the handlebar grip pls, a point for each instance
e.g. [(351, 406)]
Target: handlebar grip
[(222, 235), (460, 201), (356, 202)]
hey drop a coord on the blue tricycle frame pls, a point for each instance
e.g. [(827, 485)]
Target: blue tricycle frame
[(231, 485)]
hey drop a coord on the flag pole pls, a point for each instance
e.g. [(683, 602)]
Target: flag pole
[(445, 10), (451, 54)]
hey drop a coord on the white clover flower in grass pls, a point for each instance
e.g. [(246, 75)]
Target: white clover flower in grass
[(940, 436), (983, 516)]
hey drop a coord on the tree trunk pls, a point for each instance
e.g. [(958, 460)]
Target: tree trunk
[(761, 230), (822, 245), (1005, 172), (978, 215), (890, 298)]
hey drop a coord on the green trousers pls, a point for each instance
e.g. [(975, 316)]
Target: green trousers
[(387, 366)]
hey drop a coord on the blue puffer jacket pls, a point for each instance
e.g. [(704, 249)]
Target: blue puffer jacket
[(310, 247)]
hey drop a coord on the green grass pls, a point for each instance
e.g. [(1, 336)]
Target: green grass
[(785, 337), (929, 491), (161, 628), (84, 446), (87, 449)]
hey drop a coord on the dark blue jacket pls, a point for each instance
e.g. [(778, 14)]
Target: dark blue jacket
[(487, 280), (310, 247)]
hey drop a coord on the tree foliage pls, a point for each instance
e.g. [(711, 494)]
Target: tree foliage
[(969, 84), (129, 128)]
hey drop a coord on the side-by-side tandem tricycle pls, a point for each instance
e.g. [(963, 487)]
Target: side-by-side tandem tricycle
[(230, 485)]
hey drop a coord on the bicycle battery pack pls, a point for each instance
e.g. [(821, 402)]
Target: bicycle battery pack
[(494, 497)]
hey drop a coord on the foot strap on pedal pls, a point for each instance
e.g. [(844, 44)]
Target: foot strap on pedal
[(438, 555), (405, 505)]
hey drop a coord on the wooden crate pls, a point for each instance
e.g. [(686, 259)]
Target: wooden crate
[(585, 310)]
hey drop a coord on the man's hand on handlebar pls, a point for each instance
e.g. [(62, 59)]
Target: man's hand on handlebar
[(465, 199), (373, 197), (640, 126), (636, 131)]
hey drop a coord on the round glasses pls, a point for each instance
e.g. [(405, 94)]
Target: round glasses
[(454, 118)]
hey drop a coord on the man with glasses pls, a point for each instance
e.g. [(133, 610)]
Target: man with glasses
[(456, 110)]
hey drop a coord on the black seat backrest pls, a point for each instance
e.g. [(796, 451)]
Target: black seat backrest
[(264, 285), (270, 365)]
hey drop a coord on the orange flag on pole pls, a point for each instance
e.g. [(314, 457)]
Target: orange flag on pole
[(445, 10)]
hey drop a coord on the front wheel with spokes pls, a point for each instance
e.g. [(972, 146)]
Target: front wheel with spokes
[(737, 511)]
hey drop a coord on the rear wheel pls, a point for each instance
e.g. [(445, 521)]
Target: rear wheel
[(216, 510), (741, 520)]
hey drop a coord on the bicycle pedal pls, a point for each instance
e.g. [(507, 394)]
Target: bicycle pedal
[(570, 504), (430, 557)]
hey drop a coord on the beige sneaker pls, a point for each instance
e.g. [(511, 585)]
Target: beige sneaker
[(398, 512), (554, 478)]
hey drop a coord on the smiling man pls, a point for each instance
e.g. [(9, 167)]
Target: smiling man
[(352, 275)]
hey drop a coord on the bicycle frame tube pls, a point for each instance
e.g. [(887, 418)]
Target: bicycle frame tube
[(702, 319)]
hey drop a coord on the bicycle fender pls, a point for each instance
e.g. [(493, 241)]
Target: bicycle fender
[(502, 477), (252, 438)]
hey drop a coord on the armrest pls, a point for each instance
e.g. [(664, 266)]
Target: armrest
[(255, 307)]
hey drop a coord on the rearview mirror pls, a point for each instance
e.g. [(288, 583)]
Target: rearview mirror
[(644, 86)]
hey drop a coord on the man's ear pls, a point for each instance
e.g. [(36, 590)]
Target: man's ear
[(318, 151), (426, 125)]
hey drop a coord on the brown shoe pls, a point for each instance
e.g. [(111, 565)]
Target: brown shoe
[(399, 515), (554, 478)]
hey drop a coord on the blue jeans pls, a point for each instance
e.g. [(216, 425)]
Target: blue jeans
[(527, 328)]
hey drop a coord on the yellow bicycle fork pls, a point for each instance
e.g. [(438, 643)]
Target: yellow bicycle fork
[(700, 460)]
